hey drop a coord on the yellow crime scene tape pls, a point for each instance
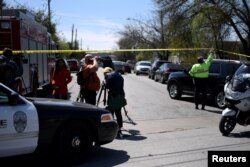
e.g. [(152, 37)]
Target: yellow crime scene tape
[(118, 50)]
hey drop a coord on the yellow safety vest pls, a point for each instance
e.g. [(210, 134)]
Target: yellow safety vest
[(201, 70)]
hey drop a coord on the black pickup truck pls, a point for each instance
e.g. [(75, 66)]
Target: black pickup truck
[(181, 83)]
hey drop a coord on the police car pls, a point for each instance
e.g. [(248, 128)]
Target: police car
[(70, 128)]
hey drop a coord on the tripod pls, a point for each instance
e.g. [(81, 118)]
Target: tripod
[(103, 88), (80, 97)]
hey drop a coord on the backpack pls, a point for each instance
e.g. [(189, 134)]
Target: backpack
[(79, 75)]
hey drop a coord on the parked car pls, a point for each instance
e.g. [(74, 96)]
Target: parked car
[(106, 61), (67, 127), (180, 83), (142, 67), (165, 69), (131, 64), (119, 66), (74, 64), (127, 67), (155, 66)]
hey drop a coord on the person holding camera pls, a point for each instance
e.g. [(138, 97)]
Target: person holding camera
[(199, 72), (91, 81), (9, 70), (114, 82)]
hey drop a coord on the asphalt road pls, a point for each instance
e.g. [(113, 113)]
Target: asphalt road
[(168, 132)]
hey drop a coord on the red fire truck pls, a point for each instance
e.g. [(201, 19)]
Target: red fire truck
[(20, 31)]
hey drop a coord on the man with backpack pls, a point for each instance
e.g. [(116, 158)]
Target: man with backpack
[(9, 70), (90, 83)]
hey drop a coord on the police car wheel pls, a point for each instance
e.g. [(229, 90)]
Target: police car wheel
[(74, 141)]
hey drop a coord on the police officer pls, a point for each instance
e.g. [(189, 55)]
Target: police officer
[(199, 72)]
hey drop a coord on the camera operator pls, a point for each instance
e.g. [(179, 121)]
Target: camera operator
[(10, 71), (114, 82), (91, 81)]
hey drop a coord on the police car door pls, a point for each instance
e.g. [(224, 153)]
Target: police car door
[(18, 124)]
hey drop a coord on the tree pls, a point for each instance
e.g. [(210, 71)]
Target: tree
[(2, 5), (126, 43), (212, 21), (149, 34), (237, 15), (43, 18)]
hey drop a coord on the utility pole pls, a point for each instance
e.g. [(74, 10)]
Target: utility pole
[(76, 40), (72, 36), (49, 14), (81, 43)]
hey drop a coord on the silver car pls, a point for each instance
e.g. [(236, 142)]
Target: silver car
[(142, 67)]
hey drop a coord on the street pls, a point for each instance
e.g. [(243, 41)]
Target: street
[(168, 132)]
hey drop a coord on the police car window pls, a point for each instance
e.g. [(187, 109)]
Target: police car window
[(214, 68), (3, 98)]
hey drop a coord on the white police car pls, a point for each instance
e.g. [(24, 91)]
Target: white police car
[(70, 128)]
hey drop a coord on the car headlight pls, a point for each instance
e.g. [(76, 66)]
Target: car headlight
[(107, 118)]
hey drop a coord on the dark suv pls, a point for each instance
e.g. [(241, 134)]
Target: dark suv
[(180, 83), (155, 66)]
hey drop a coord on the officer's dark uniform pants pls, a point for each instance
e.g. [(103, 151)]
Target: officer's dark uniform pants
[(201, 85)]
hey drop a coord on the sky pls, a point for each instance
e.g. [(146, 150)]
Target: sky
[(97, 21)]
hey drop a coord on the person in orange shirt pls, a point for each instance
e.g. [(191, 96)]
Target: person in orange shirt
[(92, 82), (60, 80)]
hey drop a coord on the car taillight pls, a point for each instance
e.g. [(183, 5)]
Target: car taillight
[(107, 118)]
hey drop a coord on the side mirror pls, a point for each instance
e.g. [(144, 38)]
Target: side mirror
[(13, 98)]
